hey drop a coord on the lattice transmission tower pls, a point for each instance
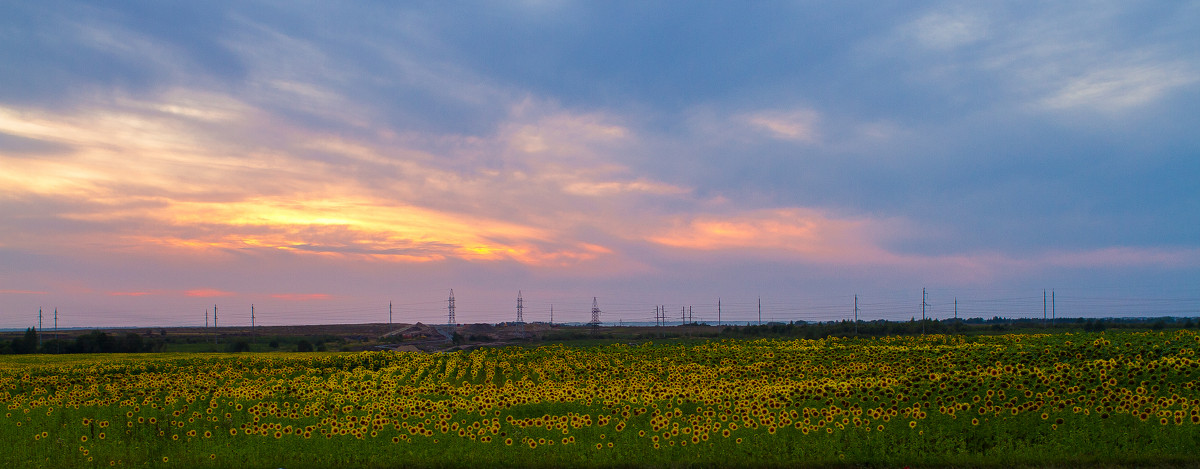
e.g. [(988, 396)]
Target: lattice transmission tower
[(595, 313), (520, 307)]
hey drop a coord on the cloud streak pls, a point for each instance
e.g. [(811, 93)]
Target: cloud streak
[(258, 149)]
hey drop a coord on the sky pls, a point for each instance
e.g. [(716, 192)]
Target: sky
[(320, 160)]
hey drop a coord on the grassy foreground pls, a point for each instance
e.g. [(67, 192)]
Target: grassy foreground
[(1042, 400)]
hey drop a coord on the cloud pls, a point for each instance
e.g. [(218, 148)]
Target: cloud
[(23, 292), (179, 188), (548, 134), (799, 125), (131, 293), (208, 293), (1108, 56), (804, 233), (1118, 88), (302, 296), (948, 30), (17, 145), (1124, 256), (615, 187), (412, 142)]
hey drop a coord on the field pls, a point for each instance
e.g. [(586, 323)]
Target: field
[(1125, 398)]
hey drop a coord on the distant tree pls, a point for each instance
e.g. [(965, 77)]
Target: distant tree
[(132, 343), (94, 342), (31, 340), (274, 343), (239, 346), (304, 346), (26, 344)]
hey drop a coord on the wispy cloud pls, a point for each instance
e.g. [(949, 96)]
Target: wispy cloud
[(1118, 88), (323, 149), (130, 293), (302, 296), (946, 30), (1055, 58), (1125, 256), (208, 293), (799, 125), (805, 233)]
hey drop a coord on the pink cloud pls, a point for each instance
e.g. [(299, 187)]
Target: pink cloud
[(207, 292), (22, 292), (302, 296), (805, 233), (129, 293)]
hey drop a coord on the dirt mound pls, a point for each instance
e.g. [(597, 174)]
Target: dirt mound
[(414, 331)]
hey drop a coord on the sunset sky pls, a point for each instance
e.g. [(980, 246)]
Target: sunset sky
[(319, 160)]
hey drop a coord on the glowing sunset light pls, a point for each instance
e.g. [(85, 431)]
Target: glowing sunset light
[(806, 233), (157, 160)]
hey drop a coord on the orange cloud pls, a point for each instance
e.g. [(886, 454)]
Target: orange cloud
[(802, 232), (207, 292), (189, 191)]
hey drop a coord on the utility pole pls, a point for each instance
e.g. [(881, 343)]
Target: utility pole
[(252, 336), (216, 335), (551, 314), (520, 308), (206, 318), (682, 315), (760, 310), (389, 313), (39, 327), (691, 319), (956, 307), (923, 305), (855, 314), (1044, 304), (56, 344), (718, 311), (450, 306), (1052, 315), (656, 317)]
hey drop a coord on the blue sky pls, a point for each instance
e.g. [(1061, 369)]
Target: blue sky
[(319, 160)]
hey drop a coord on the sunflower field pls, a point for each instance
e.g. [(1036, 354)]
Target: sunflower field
[(1054, 399)]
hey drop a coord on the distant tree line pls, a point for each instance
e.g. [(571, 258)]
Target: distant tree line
[(92, 342), (816, 330)]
